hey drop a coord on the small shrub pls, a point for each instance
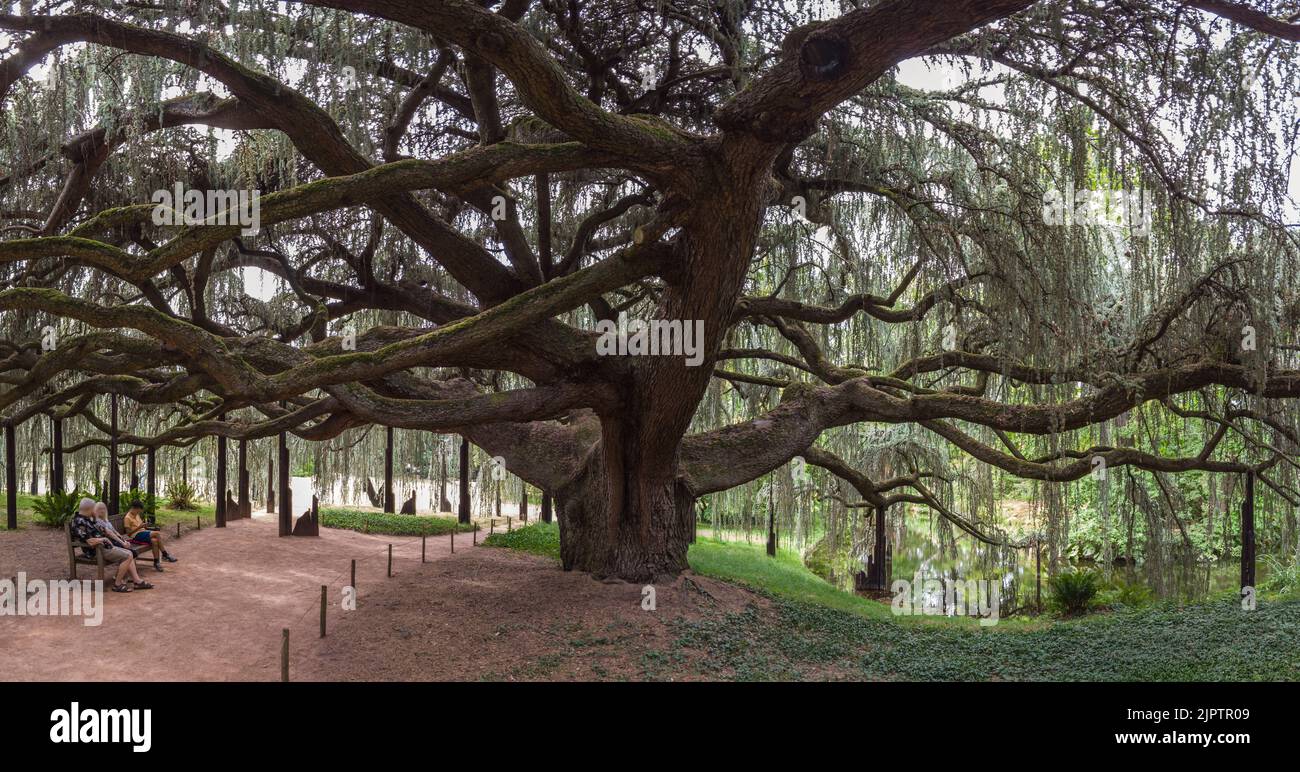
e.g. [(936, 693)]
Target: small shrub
[(1283, 578), (1072, 592), (150, 502), (393, 525), (181, 495), (1128, 594)]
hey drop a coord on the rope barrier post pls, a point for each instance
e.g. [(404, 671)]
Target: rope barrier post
[(476, 534), (324, 595), (423, 540), (178, 530), (390, 561), (284, 655), (353, 584), (453, 540), (492, 525), (507, 525)]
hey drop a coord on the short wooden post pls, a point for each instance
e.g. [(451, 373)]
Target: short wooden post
[(476, 534), (492, 525), (390, 561), (178, 530), (198, 523), (353, 584), (284, 655), (507, 524), (423, 539), (324, 599), (453, 540)]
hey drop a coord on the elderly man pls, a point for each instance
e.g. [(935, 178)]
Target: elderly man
[(86, 529)]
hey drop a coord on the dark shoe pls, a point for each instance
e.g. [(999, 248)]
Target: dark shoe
[(143, 585), (167, 557), (121, 587), (157, 566)]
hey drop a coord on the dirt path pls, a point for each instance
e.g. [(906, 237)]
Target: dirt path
[(217, 614)]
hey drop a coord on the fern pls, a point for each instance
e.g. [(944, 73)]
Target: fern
[(56, 509), (1074, 591)]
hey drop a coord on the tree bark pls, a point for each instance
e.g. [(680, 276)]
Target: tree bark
[(624, 518)]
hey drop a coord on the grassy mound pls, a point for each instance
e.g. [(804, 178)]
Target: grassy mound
[(391, 525), (812, 630)]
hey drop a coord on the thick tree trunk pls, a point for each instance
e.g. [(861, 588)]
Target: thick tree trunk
[(627, 517)]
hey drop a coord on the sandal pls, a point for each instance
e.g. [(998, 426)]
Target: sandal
[(143, 585), (121, 588)]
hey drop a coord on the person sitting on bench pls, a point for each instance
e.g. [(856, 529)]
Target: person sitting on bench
[(86, 530), (139, 532)]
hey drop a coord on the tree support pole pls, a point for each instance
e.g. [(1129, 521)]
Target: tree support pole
[(11, 479), (114, 474), (151, 473), (221, 477), (245, 503), (57, 476), (390, 496), (463, 506), (270, 484), (286, 502), (1248, 533)]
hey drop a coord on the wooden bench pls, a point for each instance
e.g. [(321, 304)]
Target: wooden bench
[(75, 555)]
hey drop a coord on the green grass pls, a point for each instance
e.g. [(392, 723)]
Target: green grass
[(782, 576), (537, 539), (392, 525)]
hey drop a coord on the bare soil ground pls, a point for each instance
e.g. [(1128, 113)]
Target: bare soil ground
[(217, 615)]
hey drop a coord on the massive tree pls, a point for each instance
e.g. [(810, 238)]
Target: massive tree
[(453, 195)]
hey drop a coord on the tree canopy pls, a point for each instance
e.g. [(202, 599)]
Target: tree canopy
[(1073, 245)]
